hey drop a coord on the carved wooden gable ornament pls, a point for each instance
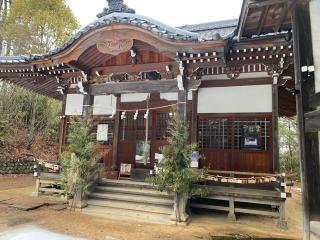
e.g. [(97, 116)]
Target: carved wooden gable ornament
[(115, 46)]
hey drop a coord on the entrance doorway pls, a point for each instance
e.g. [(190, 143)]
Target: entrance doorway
[(132, 136)]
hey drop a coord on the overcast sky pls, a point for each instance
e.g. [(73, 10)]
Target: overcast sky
[(172, 12)]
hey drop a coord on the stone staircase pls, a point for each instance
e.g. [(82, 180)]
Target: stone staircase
[(128, 200)]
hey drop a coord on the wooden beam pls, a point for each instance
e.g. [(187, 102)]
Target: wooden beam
[(243, 18), (140, 87), (235, 82), (262, 19), (134, 68)]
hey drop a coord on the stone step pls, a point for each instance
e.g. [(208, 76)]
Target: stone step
[(132, 191), (132, 198), (314, 230), (127, 215), (125, 184), (131, 206)]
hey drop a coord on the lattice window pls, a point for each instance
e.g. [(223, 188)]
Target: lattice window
[(162, 125), (127, 128), (234, 134), (262, 131), (141, 127), (215, 133)]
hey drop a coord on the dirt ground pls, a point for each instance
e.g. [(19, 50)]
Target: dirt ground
[(211, 226)]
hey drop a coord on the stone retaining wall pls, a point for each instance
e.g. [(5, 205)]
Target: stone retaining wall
[(16, 166)]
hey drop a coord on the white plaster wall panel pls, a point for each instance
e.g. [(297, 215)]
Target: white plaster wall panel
[(134, 97), (173, 96), (74, 104), (104, 104), (240, 99), (169, 96), (315, 34)]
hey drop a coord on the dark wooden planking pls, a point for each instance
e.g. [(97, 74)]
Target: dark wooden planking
[(140, 87), (286, 9), (253, 161), (216, 159), (262, 19)]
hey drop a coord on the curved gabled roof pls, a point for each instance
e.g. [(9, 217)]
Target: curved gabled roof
[(154, 26)]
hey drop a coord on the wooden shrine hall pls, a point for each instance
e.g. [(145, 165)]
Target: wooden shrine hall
[(230, 80)]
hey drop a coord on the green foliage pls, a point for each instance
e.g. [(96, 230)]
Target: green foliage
[(38, 26), (80, 168), (289, 160), (174, 174), (15, 108)]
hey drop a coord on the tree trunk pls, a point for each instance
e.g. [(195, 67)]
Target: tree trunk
[(180, 206)]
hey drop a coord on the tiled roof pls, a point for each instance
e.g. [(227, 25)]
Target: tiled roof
[(14, 59), (197, 32), (213, 30)]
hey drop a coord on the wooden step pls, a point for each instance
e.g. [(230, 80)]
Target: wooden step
[(131, 206), (132, 198), (132, 191), (127, 215), (125, 184)]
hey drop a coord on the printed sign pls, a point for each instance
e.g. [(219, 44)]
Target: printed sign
[(102, 132)]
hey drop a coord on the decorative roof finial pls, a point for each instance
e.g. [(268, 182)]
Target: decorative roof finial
[(115, 6)]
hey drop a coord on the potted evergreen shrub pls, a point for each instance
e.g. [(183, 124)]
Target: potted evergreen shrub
[(80, 167), (174, 174)]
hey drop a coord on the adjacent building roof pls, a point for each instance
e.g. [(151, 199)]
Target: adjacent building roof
[(213, 30)]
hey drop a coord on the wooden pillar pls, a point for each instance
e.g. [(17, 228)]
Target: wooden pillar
[(182, 104), (232, 213), (194, 117), (116, 136), (308, 141), (63, 124), (275, 127)]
